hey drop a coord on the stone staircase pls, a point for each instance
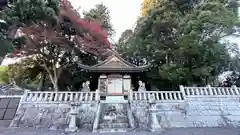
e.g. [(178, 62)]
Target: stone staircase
[(114, 118)]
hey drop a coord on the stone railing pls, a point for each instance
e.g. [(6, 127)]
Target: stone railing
[(87, 97), (210, 91), (157, 95), (59, 97)]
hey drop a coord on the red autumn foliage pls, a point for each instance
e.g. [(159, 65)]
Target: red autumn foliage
[(93, 28), (89, 35)]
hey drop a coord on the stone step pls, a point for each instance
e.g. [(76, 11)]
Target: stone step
[(107, 130), (113, 125), (119, 119), (114, 121)]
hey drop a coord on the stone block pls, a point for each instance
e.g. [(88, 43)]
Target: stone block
[(179, 124), (203, 112), (178, 117), (10, 113), (4, 102), (13, 103), (2, 112), (233, 117), (212, 123), (202, 118)]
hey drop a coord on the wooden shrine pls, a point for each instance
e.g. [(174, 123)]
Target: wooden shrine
[(114, 78)]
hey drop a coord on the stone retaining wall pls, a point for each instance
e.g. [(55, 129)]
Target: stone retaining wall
[(193, 112), (213, 111), (53, 116)]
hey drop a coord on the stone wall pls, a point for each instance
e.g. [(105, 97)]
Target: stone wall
[(192, 112), (140, 112), (213, 111), (52, 116)]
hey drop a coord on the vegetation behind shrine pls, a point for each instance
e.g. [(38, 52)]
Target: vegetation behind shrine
[(181, 40)]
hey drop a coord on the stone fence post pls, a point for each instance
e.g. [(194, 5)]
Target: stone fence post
[(24, 97), (210, 89), (182, 91), (235, 89)]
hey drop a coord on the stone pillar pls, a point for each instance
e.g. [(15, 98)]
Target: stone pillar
[(97, 95), (130, 98), (97, 117), (126, 83), (72, 127)]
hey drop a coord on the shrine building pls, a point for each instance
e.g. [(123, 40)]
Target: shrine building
[(115, 76)]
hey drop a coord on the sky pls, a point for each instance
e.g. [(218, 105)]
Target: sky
[(124, 13)]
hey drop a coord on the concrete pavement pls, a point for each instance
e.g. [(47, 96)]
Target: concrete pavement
[(175, 131)]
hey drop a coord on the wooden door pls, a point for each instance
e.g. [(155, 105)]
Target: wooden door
[(115, 86)]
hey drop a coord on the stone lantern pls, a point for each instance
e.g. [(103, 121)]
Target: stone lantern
[(154, 123), (72, 127)]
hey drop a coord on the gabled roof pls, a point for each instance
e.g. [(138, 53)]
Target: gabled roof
[(115, 63)]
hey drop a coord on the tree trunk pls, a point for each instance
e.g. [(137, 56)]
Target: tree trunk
[(43, 80), (55, 85), (54, 75)]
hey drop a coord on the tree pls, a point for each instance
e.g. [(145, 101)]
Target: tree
[(125, 36), (180, 39), (100, 14), (146, 6), (49, 40)]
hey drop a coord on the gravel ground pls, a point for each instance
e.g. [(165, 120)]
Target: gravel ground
[(175, 131)]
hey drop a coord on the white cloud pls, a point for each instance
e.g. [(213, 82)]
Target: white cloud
[(124, 13)]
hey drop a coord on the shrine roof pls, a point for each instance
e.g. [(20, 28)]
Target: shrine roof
[(115, 63)]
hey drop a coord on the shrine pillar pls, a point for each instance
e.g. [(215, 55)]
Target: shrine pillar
[(126, 84)]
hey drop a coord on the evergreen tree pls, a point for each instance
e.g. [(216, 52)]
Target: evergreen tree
[(180, 39), (101, 14)]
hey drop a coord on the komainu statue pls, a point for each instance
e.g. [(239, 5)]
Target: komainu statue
[(85, 86), (141, 86)]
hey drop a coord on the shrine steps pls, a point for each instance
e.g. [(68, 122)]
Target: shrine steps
[(113, 118)]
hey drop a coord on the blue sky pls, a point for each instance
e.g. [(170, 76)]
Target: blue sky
[(124, 13)]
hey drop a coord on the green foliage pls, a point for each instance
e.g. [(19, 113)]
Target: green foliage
[(25, 12), (180, 39), (5, 45), (27, 74), (4, 76)]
